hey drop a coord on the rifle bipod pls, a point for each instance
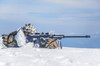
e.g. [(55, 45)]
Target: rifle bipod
[(59, 44)]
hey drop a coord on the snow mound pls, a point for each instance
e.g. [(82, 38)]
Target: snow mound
[(49, 57)]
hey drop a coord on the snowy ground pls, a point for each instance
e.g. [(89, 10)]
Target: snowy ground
[(49, 57)]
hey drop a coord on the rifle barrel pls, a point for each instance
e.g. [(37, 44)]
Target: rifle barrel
[(87, 36), (59, 36)]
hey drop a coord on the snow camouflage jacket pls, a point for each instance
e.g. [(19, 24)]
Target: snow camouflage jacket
[(15, 39)]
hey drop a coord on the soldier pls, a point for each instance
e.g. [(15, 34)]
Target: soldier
[(48, 43), (5, 39), (9, 40), (29, 30), (51, 44)]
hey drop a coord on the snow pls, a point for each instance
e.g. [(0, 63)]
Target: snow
[(49, 57)]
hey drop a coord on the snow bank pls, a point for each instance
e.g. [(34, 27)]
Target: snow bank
[(49, 57)]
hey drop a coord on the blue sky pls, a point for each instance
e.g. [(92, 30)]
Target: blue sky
[(70, 16), (61, 16)]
